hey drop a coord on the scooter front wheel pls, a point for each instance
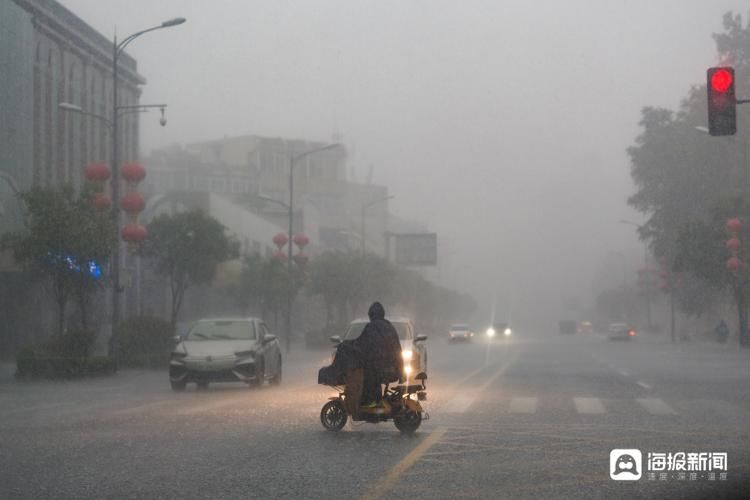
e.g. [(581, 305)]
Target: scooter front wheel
[(333, 415), (408, 422)]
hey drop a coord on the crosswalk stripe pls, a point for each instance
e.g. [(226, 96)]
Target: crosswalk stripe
[(459, 404), (588, 405), (656, 406), (523, 405)]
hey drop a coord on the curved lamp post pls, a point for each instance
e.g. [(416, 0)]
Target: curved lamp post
[(113, 124), (293, 159)]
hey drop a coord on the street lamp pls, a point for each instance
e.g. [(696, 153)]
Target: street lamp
[(113, 123), (293, 159), (364, 217)]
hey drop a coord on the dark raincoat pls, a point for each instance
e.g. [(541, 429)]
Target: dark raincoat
[(380, 349)]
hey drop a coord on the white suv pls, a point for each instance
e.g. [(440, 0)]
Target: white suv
[(413, 349)]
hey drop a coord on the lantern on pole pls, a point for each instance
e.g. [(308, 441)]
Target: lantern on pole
[(733, 225), (301, 241), (134, 233), (279, 255), (102, 202), (734, 244), (133, 204), (734, 264), (99, 173), (280, 240)]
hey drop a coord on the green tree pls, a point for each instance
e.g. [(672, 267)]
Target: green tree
[(64, 236), (684, 177), (328, 278), (348, 281), (186, 248)]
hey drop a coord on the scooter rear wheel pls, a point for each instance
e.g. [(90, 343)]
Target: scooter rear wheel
[(333, 415), (408, 422)]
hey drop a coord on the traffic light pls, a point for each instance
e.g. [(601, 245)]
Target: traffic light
[(722, 102)]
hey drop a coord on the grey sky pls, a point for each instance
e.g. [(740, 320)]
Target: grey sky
[(501, 124)]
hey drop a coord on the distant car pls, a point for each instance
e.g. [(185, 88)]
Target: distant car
[(225, 350), (620, 331), (499, 331), (413, 350), (460, 331), (585, 327), (568, 327)]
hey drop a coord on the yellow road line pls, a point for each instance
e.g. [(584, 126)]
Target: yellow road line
[(387, 482)]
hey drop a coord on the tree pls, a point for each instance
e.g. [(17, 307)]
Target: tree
[(186, 248), (328, 278), (348, 280), (66, 240), (684, 177)]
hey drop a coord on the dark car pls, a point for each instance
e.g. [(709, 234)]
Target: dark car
[(568, 327), (620, 331)]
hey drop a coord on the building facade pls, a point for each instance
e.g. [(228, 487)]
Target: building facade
[(328, 206), (48, 55)]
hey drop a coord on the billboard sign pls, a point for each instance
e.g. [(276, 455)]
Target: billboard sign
[(416, 249)]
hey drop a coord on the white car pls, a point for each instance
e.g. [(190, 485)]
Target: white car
[(460, 331), (413, 349), (225, 350)]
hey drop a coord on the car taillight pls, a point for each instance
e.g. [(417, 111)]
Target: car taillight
[(631, 333)]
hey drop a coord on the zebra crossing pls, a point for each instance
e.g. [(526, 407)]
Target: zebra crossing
[(583, 405)]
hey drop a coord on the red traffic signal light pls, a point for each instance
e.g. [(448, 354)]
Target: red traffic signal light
[(722, 80), (722, 103)]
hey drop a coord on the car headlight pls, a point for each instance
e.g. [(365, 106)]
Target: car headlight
[(407, 355), (490, 332), (507, 331)]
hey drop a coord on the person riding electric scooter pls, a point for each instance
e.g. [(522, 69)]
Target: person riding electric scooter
[(359, 368), (380, 350)]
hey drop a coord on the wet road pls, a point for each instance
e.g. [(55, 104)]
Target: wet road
[(529, 418)]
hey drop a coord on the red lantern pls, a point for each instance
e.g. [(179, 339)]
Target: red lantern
[(301, 240), (734, 244), (734, 264), (102, 202), (133, 203), (279, 255), (733, 225), (280, 240), (97, 172), (133, 172), (301, 259), (134, 233)]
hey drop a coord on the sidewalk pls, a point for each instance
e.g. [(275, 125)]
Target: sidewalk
[(7, 372)]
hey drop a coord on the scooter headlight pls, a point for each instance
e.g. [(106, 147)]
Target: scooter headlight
[(490, 332), (407, 355), (507, 332), (407, 370)]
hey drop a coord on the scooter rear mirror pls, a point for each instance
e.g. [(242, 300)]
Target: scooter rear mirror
[(420, 338), (335, 339)]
